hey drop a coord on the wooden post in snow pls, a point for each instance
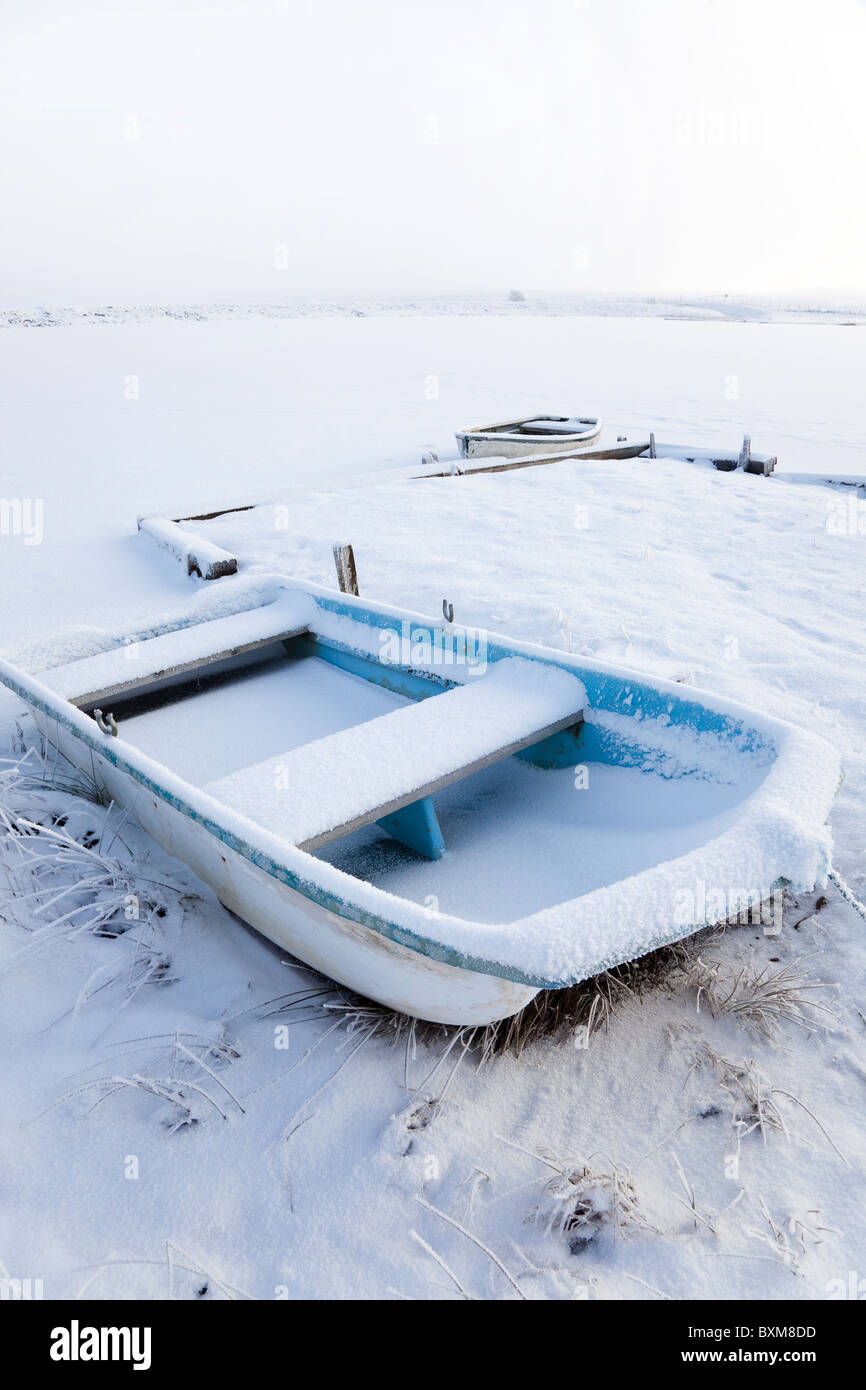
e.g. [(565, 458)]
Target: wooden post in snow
[(652, 446), (347, 575), (745, 452)]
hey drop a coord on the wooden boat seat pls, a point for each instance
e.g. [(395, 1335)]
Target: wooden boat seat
[(172, 655), (557, 426), (386, 769)]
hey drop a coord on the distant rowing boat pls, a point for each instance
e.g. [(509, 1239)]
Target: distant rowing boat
[(542, 434)]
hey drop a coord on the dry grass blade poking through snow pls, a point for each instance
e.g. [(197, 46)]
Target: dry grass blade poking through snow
[(583, 1199), (69, 873), (42, 767), (762, 997), (179, 1070), (579, 1010), (754, 1101)]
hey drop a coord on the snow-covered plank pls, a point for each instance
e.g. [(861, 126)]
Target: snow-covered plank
[(198, 555), (325, 789), (496, 463), (570, 426), (725, 460), (136, 664)]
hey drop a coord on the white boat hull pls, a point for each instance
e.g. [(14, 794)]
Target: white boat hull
[(495, 446), (362, 959), (512, 440)]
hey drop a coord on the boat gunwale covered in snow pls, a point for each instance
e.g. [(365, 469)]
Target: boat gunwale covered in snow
[(408, 955)]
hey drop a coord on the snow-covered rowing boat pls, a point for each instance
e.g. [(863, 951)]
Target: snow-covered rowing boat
[(534, 434), (443, 819)]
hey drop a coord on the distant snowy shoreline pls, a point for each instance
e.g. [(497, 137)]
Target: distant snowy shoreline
[(546, 305)]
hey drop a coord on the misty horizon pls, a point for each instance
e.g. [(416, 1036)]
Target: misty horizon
[(192, 153)]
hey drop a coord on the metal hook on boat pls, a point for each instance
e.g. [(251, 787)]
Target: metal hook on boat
[(448, 610), (107, 722)]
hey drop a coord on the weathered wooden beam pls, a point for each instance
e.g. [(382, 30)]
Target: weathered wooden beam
[(468, 467), (347, 574), (726, 461), (224, 511), (198, 665), (761, 463), (199, 556)]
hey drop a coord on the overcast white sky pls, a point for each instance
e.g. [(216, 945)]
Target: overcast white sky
[(158, 152)]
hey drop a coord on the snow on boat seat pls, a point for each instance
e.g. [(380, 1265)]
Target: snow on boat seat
[(386, 769), (556, 426), (172, 654)]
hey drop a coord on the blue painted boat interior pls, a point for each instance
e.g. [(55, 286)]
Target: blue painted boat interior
[(503, 842)]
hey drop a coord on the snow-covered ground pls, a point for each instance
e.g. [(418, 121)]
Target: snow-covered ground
[(719, 1161), (516, 303)]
